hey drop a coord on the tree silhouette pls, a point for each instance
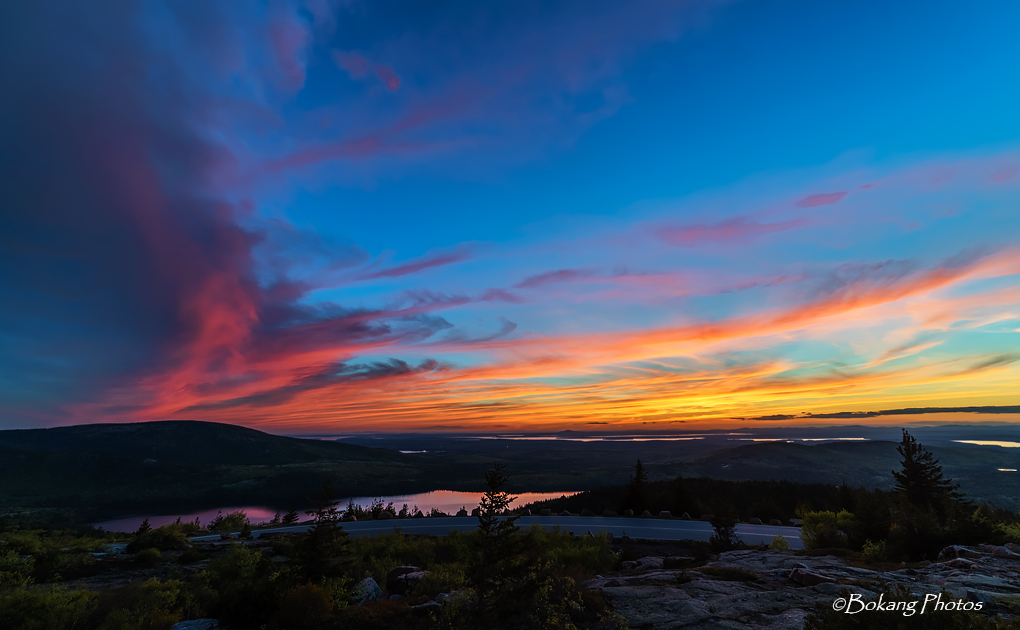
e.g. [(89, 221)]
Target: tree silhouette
[(920, 483), (499, 538), (636, 493)]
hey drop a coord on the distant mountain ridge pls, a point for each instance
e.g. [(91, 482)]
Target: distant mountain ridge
[(187, 441)]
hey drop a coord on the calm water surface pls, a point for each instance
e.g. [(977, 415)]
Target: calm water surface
[(448, 501)]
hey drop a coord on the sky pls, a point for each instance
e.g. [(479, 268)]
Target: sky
[(320, 215)]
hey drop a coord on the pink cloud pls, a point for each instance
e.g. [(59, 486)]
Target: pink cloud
[(290, 40), (358, 67), (388, 77), (1005, 174), (821, 199), (354, 64), (550, 277), (425, 262), (735, 230)]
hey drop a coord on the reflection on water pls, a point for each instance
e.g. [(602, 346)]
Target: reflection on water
[(990, 443), (259, 514), (450, 501), (1007, 470), (445, 500)]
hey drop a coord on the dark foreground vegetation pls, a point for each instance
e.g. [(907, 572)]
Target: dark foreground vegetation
[(495, 577)]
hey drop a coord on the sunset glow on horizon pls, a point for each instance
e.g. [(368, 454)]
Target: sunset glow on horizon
[(322, 217)]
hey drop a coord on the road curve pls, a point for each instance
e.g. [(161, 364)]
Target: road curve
[(647, 528)]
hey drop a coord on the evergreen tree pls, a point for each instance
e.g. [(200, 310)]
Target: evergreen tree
[(323, 551), (144, 528), (290, 517), (495, 569), (920, 483), (637, 490)]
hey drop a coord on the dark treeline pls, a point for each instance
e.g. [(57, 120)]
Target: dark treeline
[(741, 500)]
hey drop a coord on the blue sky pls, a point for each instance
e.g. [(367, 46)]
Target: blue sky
[(304, 215)]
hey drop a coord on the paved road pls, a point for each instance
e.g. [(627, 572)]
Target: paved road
[(648, 528)]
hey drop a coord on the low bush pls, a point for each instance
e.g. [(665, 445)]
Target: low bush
[(149, 555), (46, 608), (779, 544), (827, 530)]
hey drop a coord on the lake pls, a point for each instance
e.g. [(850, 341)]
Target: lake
[(448, 501)]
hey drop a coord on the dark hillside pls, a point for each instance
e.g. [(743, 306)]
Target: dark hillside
[(112, 469), (187, 441)]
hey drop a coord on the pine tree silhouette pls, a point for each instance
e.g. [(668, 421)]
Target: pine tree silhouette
[(920, 483)]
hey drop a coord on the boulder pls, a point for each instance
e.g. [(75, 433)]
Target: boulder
[(609, 537), (197, 624), (227, 536), (628, 513), (646, 514), (366, 591), (685, 516), (350, 518), (959, 563), (956, 551), (1005, 554), (587, 512), (405, 582), (795, 522), (395, 597), (385, 515), (806, 577), (643, 564), (775, 521), (608, 512), (706, 517), (755, 521), (462, 512), (1012, 547), (395, 575), (566, 513), (676, 562), (426, 607), (441, 598), (665, 514), (545, 512), (525, 512)]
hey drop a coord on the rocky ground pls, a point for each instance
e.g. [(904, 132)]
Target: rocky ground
[(778, 589)]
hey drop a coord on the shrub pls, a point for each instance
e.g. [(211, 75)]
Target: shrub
[(14, 571), (152, 605), (231, 521), (725, 536), (306, 607), (442, 579), (875, 551), (149, 555), (191, 556), (779, 544), (170, 536), (50, 608), (826, 530)]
